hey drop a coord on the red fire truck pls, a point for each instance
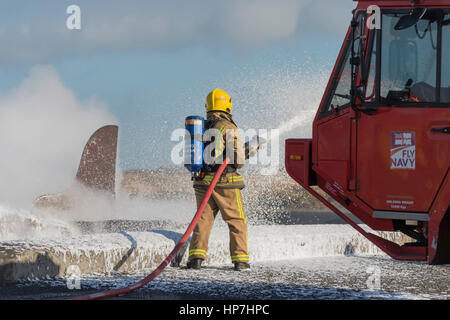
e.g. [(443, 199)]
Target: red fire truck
[(381, 136)]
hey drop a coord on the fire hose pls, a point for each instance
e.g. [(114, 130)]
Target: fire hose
[(179, 245)]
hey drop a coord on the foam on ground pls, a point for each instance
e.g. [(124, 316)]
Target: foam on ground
[(131, 252)]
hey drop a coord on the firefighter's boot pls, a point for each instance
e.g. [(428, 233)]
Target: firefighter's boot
[(241, 266), (195, 264)]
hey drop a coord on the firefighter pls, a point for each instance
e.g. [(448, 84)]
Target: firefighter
[(226, 197)]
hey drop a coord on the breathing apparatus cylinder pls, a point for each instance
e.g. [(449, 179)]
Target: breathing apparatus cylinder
[(193, 153)]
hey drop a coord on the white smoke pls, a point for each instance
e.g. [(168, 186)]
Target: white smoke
[(43, 130), (19, 224)]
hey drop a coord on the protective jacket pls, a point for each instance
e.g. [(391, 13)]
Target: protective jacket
[(224, 140)]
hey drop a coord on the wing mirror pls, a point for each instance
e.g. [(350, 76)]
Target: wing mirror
[(410, 19)]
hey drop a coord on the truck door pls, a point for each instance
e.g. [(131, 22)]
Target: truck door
[(403, 150)]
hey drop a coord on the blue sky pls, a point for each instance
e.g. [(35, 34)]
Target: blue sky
[(153, 62)]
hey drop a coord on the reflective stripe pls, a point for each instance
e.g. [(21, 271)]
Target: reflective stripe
[(241, 211), (197, 251), (242, 215), (241, 257), (208, 178), (219, 150), (239, 178)]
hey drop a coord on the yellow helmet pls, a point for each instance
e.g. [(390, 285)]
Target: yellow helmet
[(218, 100)]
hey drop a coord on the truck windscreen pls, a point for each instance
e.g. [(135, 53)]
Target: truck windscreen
[(408, 59)]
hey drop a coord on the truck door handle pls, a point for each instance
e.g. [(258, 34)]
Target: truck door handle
[(442, 130)]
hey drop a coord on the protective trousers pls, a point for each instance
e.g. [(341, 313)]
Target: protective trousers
[(229, 202)]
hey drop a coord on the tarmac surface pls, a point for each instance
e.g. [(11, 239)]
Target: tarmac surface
[(340, 277), (347, 276)]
